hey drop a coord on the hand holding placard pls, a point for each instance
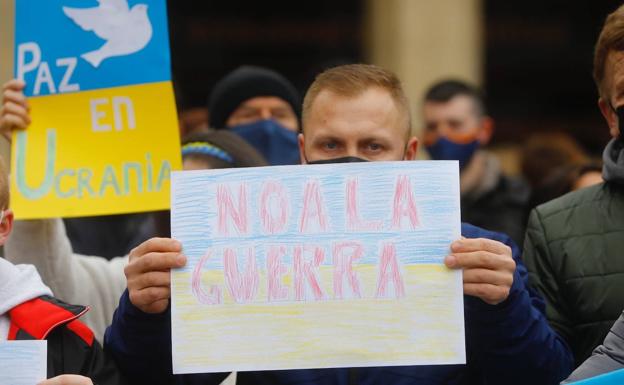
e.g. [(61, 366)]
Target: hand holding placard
[(14, 113)]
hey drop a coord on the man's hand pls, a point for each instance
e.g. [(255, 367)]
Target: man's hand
[(149, 282), (68, 379), (14, 113), (488, 268)]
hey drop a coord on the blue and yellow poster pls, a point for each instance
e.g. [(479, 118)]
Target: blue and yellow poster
[(104, 133)]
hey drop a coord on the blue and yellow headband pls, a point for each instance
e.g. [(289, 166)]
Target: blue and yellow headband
[(206, 148)]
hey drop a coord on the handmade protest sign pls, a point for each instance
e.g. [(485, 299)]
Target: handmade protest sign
[(23, 362), (104, 133), (316, 266)]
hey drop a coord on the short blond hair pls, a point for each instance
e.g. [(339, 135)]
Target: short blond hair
[(611, 39), (353, 80), (4, 186)]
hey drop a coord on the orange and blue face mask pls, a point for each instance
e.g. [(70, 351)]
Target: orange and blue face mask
[(459, 147)]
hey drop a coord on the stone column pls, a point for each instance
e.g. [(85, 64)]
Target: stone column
[(424, 41)]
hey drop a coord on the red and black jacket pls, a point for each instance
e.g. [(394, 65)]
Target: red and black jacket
[(72, 348)]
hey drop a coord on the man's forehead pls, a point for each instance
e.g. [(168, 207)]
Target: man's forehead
[(368, 114), (264, 101)]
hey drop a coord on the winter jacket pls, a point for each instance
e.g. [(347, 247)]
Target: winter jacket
[(75, 278), (574, 251), (607, 357), (72, 348), (510, 343)]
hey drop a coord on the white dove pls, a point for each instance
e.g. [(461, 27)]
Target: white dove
[(125, 30)]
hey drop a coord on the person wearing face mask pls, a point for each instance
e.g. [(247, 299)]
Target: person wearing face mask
[(574, 246), (262, 107), (456, 128), (356, 113)]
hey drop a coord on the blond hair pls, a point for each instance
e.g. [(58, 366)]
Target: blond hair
[(4, 186), (353, 80), (611, 39)]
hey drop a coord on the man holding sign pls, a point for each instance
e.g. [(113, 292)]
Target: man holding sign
[(359, 113)]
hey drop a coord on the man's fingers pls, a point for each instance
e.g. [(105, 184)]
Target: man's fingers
[(149, 295), (15, 97), (12, 122), (151, 279), (12, 108), (14, 84), (492, 294), (155, 262), (480, 244), (480, 259), (156, 245), (488, 276)]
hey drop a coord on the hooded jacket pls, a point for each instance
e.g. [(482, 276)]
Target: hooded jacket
[(574, 251), (29, 312)]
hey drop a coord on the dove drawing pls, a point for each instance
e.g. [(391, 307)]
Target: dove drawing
[(125, 30)]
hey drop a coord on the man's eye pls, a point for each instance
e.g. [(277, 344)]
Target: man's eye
[(330, 145), (374, 146)]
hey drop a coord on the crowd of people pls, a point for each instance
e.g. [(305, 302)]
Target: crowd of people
[(542, 262)]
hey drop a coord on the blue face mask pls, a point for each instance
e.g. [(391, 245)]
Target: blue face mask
[(276, 143), (444, 149)]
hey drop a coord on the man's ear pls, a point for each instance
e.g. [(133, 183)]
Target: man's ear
[(302, 156), (6, 226), (610, 116), (487, 130), (411, 149)]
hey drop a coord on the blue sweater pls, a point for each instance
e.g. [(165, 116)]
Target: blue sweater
[(509, 343)]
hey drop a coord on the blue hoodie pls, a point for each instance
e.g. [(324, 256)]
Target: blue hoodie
[(508, 343)]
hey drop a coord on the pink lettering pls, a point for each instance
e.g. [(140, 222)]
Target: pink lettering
[(242, 287), (388, 261), (225, 209), (306, 270), (343, 266), (404, 204), (273, 224), (213, 297), (354, 222), (276, 271), (312, 197)]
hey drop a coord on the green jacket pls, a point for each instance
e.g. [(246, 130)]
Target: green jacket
[(574, 251)]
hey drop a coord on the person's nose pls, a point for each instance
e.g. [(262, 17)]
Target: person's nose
[(265, 114), (352, 150)]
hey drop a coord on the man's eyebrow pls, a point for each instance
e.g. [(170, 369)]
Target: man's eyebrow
[(328, 136), (378, 136)]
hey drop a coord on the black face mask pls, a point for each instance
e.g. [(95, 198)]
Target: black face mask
[(344, 159)]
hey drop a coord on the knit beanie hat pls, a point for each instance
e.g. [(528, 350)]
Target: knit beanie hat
[(244, 83)]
